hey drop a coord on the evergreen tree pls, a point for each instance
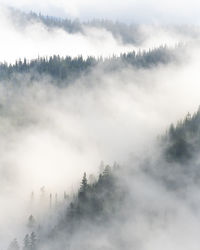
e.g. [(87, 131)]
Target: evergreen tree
[(84, 184), (82, 193), (68, 69)]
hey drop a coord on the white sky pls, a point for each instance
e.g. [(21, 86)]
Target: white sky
[(179, 11)]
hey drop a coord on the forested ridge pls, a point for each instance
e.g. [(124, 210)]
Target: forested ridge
[(126, 33), (68, 68), (116, 207), (99, 200), (129, 34)]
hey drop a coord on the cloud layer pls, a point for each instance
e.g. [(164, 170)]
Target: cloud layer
[(36, 40), (144, 11), (50, 136)]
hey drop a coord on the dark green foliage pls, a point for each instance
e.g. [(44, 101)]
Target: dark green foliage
[(149, 58), (57, 67), (182, 142), (84, 184), (66, 69), (97, 200), (83, 188)]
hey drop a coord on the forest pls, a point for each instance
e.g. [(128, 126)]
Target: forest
[(98, 152), (67, 69), (100, 200)]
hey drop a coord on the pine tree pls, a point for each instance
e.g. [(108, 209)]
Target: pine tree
[(83, 189), (84, 184)]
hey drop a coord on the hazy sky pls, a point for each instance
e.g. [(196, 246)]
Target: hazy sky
[(179, 11)]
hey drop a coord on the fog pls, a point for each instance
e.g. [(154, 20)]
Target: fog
[(36, 40), (144, 11), (33, 39), (50, 136)]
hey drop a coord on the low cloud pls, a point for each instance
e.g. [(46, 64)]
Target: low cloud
[(35, 39), (145, 11), (51, 135)]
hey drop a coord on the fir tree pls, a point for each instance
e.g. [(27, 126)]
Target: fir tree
[(84, 184)]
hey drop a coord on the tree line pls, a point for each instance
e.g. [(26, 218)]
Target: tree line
[(96, 201), (68, 68)]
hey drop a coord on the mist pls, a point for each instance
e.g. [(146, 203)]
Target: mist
[(145, 11), (50, 135), (24, 38), (36, 40)]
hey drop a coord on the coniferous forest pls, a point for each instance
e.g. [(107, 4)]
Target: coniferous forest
[(99, 127), (67, 69)]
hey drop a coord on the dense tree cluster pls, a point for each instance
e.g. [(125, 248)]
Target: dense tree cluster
[(94, 199), (97, 201), (182, 141), (67, 68), (57, 67)]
